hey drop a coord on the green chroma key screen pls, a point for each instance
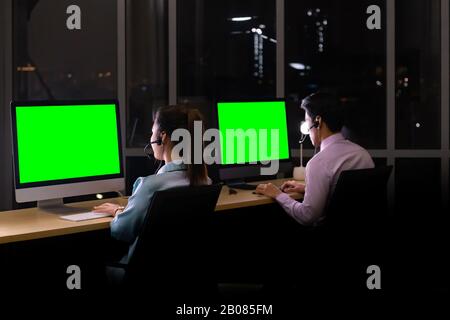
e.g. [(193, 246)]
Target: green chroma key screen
[(65, 142), (256, 116)]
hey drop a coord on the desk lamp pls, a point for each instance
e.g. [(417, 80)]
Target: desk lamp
[(299, 172)]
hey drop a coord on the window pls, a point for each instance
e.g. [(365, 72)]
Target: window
[(53, 62), (418, 124), (226, 50), (329, 47), (147, 66)]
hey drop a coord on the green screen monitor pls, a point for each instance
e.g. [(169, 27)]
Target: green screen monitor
[(64, 149), (252, 133)]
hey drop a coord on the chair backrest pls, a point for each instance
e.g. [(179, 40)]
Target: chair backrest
[(359, 199), (351, 237), (173, 248)]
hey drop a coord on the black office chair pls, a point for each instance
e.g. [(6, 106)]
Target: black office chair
[(173, 258), (359, 200), (354, 230), (334, 256)]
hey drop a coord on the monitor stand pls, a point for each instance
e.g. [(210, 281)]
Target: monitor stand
[(240, 184), (57, 206)]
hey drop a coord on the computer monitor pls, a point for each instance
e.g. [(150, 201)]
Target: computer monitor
[(262, 123), (66, 148)]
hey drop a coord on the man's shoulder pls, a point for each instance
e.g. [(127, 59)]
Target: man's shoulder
[(344, 149), (350, 143), (318, 161), (356, 153), (346, 146)]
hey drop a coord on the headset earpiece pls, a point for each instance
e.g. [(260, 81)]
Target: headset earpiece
[(317, 122)]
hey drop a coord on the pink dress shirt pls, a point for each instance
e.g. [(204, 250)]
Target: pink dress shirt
[(322, 172)]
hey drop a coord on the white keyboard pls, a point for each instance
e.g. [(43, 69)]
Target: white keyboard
[(85, 216)]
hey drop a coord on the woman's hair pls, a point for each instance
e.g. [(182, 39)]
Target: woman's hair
[(328, 107), (169, 119)]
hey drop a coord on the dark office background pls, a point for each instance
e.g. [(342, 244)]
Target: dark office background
[(395, 80)]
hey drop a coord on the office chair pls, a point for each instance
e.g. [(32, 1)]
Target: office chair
[(354, 230), (335, 255), (173, 257), (359, 200)]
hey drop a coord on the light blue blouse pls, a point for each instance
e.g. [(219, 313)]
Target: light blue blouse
[(126, 225)]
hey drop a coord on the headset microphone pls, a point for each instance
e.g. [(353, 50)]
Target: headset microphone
[(151, 156), (315, 125), (157, 141), (146, 153)]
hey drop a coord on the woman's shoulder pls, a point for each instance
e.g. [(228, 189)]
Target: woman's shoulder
[(147, 182), (163, 180), (155, 178)]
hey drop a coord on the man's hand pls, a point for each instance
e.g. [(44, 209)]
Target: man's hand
[(293, 187), (268, 189), (110, 208)]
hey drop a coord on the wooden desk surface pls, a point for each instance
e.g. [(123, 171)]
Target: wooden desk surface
[(35, 223), (246, 198)]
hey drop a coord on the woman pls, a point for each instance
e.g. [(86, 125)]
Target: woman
[(128, 220)]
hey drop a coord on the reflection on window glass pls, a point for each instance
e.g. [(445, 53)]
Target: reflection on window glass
[(330, 48), (226, 50), (418, 74), (53, 62), (147, 66)]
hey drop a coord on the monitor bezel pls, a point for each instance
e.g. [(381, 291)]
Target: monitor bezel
[(55, 103), (250, 164)]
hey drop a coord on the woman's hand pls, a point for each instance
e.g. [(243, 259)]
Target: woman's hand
[(293, 187), (268, 189), (110, 208)]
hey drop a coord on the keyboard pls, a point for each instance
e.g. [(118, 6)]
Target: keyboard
[(243, 186), (85, 216)]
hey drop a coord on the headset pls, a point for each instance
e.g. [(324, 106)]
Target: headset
[(157, 141), (316, 124), (151, 156)]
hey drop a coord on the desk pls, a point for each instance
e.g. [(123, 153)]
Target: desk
[(246, 198), (35, 223)]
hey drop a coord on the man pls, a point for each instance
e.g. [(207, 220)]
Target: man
[(325, 120)]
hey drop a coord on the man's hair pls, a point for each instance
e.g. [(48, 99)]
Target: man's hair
[(328, 107)]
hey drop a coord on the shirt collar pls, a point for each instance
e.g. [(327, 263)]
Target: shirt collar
[(330, 140), (172, 166)]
